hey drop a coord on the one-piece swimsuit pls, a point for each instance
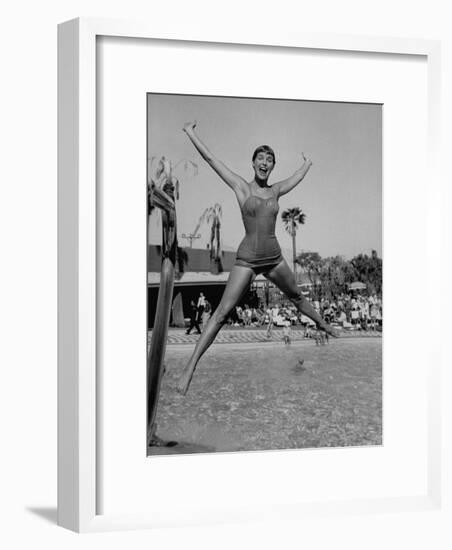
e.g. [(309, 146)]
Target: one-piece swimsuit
[(259, 250)]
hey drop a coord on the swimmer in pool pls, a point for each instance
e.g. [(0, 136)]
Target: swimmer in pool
[(259, 251)]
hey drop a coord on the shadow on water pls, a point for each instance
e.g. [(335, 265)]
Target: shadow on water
[(49, 514)]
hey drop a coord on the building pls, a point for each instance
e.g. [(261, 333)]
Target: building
[(197, 274)]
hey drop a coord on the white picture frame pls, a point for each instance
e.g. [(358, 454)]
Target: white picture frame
[(78, 446)]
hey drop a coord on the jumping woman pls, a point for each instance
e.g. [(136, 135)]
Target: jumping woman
[(259, 251)]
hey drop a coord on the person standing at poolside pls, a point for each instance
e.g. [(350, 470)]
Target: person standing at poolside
[(286, 333), (270, 323), (206, 313), (194, 323)]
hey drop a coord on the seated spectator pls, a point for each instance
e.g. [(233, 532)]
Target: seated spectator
[(355, 314), (342, 318)]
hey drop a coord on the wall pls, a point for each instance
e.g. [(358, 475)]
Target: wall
[(195, 259)]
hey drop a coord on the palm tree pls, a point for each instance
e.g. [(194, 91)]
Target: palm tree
[(161, 173), (212, 216), (292, 217), (161, 177)]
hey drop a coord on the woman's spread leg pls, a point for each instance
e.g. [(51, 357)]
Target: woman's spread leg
[(238, 283), (283, 277)]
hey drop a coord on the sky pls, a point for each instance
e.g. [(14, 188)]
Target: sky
[(341, 195)]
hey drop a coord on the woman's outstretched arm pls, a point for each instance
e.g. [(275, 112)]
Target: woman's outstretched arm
[(235, 182), (288, 184)]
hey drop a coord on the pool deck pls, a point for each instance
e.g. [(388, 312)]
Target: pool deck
[(238, 335)]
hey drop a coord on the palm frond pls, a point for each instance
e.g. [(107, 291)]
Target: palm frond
[(291, 218), (175, 182)]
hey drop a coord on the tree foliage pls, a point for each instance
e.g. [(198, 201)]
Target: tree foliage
[(292, 218), (369, 270), (213, 216), (331, 276)]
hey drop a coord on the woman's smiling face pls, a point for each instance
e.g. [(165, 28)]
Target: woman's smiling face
[(263, 164)]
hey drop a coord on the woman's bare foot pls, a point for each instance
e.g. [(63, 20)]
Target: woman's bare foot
[(329, 330), (184, 382)]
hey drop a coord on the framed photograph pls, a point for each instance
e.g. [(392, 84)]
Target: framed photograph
[(236, 218)]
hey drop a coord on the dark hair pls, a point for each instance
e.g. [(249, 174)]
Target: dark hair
[(264, 149)]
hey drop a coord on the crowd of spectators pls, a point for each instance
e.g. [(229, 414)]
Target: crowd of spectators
[(348, 311), (352, 312)]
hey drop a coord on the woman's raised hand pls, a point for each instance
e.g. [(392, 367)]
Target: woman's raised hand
[(306, 160), (189, 126)]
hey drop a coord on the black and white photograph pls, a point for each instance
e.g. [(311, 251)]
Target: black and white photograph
[(212, 283), (265, 299)]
